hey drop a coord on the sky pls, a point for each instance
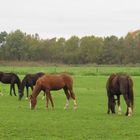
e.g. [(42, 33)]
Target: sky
[(65, 18)]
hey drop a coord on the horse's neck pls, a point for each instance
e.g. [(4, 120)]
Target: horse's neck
[(36, 91), (18, 84), (22, 85)]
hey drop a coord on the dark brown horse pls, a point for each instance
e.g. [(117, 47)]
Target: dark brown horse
[(118, 84), (12, 79), (48, 83), (29, 81)]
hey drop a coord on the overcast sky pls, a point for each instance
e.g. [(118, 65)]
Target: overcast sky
[(64, 18)]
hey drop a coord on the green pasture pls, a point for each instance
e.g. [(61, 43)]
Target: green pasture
[(74, 70), (89, 122)]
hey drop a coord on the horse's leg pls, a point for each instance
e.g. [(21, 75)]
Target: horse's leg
[(1, 93), (14, 89), (68, 97), (27, 90), (129, 109), (11, 89), (119, 107), (32, 87), (113, 103), (109, 102), (47, 100), (73, 97), (50, 97)]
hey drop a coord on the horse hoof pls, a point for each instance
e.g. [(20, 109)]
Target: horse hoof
[(119, 113), (75, 107), (129, 115), (65, 107)]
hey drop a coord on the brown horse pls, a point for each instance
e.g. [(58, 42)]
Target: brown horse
[(118, 84), (48, 83)]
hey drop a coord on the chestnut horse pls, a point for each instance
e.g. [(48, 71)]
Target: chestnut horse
[(118, 84), (50, 82)]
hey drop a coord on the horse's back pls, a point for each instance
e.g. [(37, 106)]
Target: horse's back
[(55, 81), (39, 74), (125, 83), (119, 83), (30, 79), (67, 78), (9, 77)]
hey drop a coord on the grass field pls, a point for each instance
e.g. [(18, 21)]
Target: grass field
[(89, 122)]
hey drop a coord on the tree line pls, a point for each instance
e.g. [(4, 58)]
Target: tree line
[(21, 46)]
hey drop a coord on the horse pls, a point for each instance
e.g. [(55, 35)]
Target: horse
[(51, 82), (12, 79), (120, 84), (28, 81)]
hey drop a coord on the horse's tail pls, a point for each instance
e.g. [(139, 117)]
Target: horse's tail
[(69, 81), (130, 92)]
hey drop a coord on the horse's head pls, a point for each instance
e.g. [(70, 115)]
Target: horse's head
[(20, 92), (32, 102)]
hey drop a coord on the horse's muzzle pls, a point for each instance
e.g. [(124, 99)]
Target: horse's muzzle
[(20, 96)]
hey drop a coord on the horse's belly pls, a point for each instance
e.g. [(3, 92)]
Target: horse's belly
[(56, 88), (6, 81), (115, 91)]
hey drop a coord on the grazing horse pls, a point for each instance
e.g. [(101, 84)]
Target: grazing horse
[(118, 84), (48, 83), (29, 81), (10, 78)]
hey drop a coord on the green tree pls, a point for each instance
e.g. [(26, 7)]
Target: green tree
[(15, 45), (71, 50), (90, 47), (109, 54)]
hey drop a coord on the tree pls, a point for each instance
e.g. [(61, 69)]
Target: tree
[(90, 47), (71, 49), (109, 54), (3, 37)]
